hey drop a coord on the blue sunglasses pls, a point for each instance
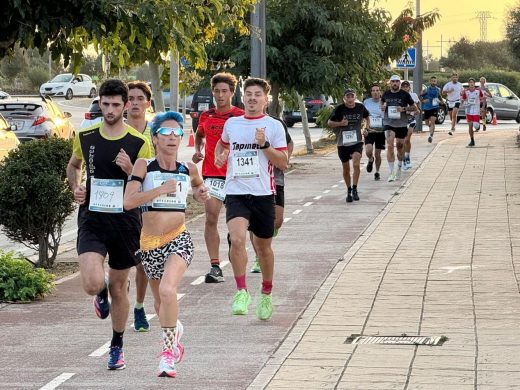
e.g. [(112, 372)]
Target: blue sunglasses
[(170, 130)]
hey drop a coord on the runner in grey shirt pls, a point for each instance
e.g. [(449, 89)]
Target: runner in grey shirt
[(375, 133)]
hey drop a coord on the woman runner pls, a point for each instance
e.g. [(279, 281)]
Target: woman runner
[(161, 186)]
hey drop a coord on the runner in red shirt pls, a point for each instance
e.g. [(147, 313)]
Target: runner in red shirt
[(208, 133)]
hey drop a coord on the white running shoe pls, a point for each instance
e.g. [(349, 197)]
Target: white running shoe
[(398, 174), (391, 177)]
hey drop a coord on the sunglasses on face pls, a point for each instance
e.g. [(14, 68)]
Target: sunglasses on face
[(170, 130)]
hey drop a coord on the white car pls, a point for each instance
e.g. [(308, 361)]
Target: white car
[(69, 85)]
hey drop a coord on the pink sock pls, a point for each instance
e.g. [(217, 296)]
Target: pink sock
[(267, 286), (241, 282)]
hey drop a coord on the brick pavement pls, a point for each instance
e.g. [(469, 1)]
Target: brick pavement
[(442, 259)]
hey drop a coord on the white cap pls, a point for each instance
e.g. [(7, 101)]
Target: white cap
[(395, 77)]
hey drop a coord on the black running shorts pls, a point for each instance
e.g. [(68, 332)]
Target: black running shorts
[(258, 210), (345, 152), (377, 138), (400, 132), (279, 198), (114, 234)]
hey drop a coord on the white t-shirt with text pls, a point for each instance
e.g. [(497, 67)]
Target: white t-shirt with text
[(249, 172), (454, 95)]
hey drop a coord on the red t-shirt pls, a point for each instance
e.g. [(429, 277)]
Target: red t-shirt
[(211, 124)]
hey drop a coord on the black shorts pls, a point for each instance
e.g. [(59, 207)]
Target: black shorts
[(427, 114), (204, 177), (412, 124), (377, 138), (457, 105), (400, 132), (258, 210), (345, 152), (114, 234), (279, 198)]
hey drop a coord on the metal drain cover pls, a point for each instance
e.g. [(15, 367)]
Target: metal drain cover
[(400, 340)]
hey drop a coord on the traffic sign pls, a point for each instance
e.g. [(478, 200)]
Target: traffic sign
[(407, 60)]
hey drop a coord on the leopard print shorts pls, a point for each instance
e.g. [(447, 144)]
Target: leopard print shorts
[(154, 260)]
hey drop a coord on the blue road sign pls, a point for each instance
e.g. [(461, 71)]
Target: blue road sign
[(407, 60)]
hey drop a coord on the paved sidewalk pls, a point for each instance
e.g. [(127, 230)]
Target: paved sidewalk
[(442, 259)]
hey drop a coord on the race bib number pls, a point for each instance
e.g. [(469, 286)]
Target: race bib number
[(472, 100), (106, 195), (246, 164), (376, 122), (435, 102), (349, 137), (393, 113), (174, 200), (216, 188)]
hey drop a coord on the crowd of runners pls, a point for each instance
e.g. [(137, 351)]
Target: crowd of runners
[(133, 194)]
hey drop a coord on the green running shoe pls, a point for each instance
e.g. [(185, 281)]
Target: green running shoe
[(255, 269), (264, 309), (241, 302)]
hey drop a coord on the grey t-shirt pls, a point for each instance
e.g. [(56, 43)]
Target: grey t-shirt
[(351, 134), (396, 99)]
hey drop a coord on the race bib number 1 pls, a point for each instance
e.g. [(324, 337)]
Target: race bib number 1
[(174, 200), (393, 113), (472, 100), (216, 188), (106, 195), (246, 164), (435, 102)]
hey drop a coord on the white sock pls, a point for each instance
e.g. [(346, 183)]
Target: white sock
[(391, 165), (406, 155)]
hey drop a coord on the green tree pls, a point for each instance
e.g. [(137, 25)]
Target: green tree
[(35, 199), (465, 54), (513, 30)]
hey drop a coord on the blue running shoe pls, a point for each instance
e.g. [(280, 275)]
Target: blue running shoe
[(116, 359), (102, 307), (140, 322)]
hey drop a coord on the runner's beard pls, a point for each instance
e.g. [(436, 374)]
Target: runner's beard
[(114, 120)]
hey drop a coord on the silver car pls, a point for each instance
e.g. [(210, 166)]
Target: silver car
[(36, 118), (503, 102)]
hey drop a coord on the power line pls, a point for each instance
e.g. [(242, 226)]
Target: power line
[(483, 17)]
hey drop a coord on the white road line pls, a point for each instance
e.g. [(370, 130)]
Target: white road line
[(296, 212), (341, 181), (179, 296), (326, 191), (101, 350), (199, 280), (58, 381), (334, 186), (307, 204), (224, 263), (317, 197), (286, 219)]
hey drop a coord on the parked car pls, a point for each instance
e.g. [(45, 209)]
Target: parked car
[(94, 114), (4, 95), (166, 100), (69, 85), (312, 104), (503, 102), (8, 139), (203, 101), (36, 118)]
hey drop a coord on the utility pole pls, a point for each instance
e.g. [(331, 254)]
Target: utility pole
[(258, 62), (418, 71), (483, 17)]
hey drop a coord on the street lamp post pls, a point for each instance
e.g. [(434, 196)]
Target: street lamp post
[(418, 71), (258, 62)]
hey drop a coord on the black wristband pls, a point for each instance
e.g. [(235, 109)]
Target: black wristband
[(136, 178), (266, 145)]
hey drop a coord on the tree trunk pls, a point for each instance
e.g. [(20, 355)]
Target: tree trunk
[(156, 86), (48, 245), (274, 105), (174, 80), (43, 254), (305, 123)]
